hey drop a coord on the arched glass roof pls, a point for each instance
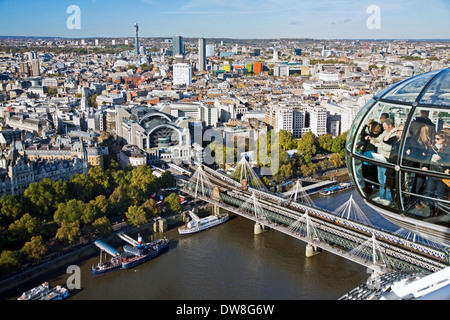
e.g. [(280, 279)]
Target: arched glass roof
[(432, 88)]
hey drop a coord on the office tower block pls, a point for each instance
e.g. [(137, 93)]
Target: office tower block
[(201, 54), (182, 74), (177, 45), (210, 50), (257, 67), (136, 41), (318, 120), (35, 68)]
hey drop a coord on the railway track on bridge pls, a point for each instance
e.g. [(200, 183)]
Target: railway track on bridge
[(345, 233)]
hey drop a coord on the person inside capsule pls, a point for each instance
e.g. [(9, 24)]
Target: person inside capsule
[(412, 161), (438, 159)]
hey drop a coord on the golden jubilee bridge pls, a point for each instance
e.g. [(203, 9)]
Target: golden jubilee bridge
[(345, 232)]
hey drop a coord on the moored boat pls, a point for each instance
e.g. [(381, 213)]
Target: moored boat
[(35, 293), (111, 265), (136, 255), (197, 224), (332, 190), (56, 293), (114, 264)]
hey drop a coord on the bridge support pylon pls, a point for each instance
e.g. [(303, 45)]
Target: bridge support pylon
[(260, 228), (311, 250)]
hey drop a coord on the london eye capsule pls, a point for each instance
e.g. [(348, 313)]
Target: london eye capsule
[(398, 154)]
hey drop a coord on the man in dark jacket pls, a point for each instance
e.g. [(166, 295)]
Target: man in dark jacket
[(414, 128)]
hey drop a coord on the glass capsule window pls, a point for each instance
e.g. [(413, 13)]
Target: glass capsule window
[(398, 149)]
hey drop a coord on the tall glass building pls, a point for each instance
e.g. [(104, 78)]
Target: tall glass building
[(201, 54), (401, 166), (177, 45)]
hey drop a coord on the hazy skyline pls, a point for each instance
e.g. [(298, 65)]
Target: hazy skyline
[(243, 19)]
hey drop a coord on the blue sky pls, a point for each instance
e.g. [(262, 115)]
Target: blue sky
[(320, 19)]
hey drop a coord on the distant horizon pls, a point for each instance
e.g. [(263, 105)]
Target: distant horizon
[(229, 19), (191, 37)]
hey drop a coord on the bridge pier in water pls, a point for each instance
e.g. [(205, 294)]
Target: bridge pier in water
[(312, 250), (260, 228)]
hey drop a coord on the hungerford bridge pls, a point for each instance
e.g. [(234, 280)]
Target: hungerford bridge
[(345, 232)]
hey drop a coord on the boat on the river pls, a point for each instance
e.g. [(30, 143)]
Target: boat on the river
[(45, 292), (36, 292), (136, 255), (108, 266), (199, 224), (56, 293), (335, 189)]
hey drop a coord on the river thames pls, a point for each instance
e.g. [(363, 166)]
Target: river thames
[(230, 262)]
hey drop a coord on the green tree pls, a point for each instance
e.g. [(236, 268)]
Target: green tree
[(82, 187), (61, 190), (336, 160), (90, 213), (102, 203), (35, 248), (103, 225), (325, 142), (119, 200), (25, 227), (142, 183), (166, 180), (69, 232), (339, 144), (172, 202), (41, 197), (286, 170), (307, 146), (9, 260), (11, 209), (151, 208), (70, 211), (287, 140), (137, 216), (92, 101)]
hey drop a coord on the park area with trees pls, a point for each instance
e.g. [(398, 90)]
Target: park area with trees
[(53, 214)]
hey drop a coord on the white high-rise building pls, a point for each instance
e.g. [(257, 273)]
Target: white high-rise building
[(284, 119), (281, 71), (210, 50), (298, 122), (287, 118), (275, 55), (201, 54), (182, 74), (84, 99), (318, 120)]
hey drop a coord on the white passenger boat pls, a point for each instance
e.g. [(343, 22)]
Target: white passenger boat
[(199, 224), (35, 293), (57, 293)]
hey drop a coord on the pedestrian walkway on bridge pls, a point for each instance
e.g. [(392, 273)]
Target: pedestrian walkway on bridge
[(344, 232)]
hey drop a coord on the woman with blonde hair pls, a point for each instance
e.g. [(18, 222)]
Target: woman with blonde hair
[(437, 160), (416, 152)]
